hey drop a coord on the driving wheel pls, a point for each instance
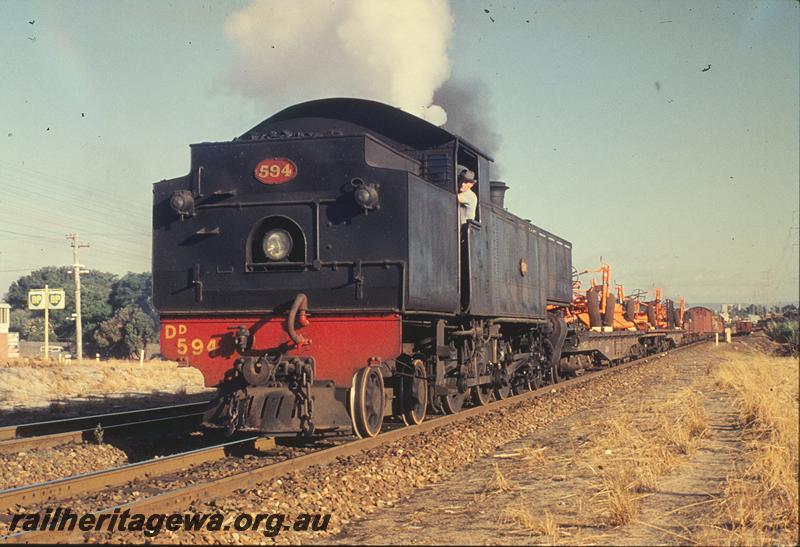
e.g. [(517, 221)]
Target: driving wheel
[(367, 401), (415, 394)]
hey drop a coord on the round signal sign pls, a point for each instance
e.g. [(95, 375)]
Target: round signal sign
[(275, 171)]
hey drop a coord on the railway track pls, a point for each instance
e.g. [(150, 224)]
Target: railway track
[(17, 438), (97, 480), (180, 498)]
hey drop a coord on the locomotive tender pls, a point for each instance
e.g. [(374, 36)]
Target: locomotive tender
[(315, 271)]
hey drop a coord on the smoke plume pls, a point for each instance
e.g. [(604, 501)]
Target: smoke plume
[(387, 50), (469, 112)]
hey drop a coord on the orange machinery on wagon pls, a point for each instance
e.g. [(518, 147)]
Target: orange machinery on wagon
[(600, 310)]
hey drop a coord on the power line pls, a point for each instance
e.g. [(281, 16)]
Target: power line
[(133, 256), (25, 183), (11, 216), (29, 185), (50, 217), (141, 236), (28, 269), (103, 210), (34, 185), (121, 234), (33, 174), (16, 224), (29, 236)]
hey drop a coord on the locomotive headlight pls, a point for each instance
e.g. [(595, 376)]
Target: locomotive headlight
[(277, 244), (363, 196), (366, 195), (182, 202)]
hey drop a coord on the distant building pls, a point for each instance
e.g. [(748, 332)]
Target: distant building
[(724, 313), (9, 342)]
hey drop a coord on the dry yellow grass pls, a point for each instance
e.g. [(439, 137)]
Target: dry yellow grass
[(35, 383), (715, 535), (41, 362), (684, 422), (534, 457), (760, 502), (621, 500), (499, 481), (651, 462), (632, 453), (524, 517)]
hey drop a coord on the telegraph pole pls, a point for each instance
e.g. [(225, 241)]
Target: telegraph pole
[(46, 323), (76, 272)]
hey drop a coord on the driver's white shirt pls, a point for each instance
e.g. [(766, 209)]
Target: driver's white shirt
[(466, 210)]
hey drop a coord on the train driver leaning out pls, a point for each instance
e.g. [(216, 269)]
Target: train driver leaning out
[(467, 200)]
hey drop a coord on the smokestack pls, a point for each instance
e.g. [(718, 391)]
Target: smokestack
[(497, 189)]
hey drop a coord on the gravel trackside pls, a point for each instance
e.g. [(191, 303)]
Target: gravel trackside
[(357, 486)]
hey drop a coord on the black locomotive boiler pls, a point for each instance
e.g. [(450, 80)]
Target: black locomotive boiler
[(315, 271)]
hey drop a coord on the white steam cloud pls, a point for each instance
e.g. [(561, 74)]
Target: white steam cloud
[(394, 51)]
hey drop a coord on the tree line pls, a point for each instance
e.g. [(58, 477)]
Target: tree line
[(117, 312)]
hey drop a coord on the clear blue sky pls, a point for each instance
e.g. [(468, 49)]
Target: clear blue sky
[(612, 135)]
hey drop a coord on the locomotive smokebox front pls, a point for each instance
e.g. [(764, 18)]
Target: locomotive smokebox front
[(255, 224)]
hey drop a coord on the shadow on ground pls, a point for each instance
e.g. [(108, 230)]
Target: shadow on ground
[(87, 406)]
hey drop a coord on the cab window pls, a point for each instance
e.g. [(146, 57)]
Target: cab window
[(468, 159)]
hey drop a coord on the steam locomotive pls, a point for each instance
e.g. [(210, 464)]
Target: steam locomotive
[(315, 270)]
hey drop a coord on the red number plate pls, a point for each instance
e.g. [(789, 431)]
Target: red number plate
[(275, 171)]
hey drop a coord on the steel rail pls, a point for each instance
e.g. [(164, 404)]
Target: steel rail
[(177, 499), (97, 480), (105, 420), (20, 444)]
